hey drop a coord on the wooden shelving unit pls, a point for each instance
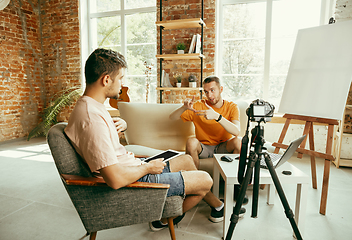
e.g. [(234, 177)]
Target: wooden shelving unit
[(179, 88), (189, 56), (180, 24)]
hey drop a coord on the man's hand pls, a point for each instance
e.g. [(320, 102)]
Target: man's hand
[(156, 166), (209, 114), (120, 124), (188, 103)]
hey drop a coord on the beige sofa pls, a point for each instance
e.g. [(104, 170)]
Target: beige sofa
[(150, 130)]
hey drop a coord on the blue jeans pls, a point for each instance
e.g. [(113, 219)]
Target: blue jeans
[(175, 179)]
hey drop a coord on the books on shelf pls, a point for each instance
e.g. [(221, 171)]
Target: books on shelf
[(193, 44), (165, 80), (196, 44)]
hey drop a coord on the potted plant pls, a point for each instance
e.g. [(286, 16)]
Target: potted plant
[(181, 48), (192, 79), (178, 79), (60, 100)]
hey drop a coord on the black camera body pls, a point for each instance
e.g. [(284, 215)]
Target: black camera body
[(259, 110)]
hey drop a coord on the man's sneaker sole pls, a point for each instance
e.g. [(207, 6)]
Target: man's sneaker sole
[(157, 226), (216, 220)]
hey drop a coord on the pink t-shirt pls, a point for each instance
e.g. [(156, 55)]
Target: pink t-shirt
[(93, 134)]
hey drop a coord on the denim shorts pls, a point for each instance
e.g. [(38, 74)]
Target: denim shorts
[(209, 150), (175, 179)]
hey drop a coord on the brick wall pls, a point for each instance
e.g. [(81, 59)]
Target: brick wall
[(39, 55), (61, 47), (180, 9)]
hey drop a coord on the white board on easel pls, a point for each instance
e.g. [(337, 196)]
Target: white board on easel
[(320, 72)]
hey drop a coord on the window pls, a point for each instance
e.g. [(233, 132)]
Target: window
[(127, 26), (257, 38)]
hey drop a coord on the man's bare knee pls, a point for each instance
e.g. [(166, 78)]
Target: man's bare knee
[(192, 144), (197, 182), (182, 163), (234, 145)]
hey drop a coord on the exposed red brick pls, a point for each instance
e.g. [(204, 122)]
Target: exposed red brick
[(29, 73)]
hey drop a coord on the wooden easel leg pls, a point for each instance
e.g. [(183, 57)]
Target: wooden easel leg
[(306, 130), (312, 158), (283, 134), (324, 192)]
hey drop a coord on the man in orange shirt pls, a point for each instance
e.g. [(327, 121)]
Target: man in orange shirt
[(216, 121)]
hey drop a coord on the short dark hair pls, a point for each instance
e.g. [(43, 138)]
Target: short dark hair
[(212, 79), (103, 62)]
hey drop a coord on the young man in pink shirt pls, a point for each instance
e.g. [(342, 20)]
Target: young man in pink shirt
[(94, 134)]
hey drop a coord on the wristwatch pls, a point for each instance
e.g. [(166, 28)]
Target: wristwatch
[(220, 116)]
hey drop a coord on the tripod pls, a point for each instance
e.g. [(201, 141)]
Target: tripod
[(254, 162)]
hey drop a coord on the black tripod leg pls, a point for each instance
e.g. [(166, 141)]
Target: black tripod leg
[(256, 189), (237, 208), (280, 191)]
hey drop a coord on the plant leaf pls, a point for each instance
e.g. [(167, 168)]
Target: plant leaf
[(62, 99)]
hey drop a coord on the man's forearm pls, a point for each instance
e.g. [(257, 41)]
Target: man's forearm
[(117, 176), (230, 127)]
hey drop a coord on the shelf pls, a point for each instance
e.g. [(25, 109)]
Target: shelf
[(181, 23), (181, 56), (179, 88)]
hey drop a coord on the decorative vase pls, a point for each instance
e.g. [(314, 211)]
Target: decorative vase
[(178, 84), (192, 84), (180, 51)]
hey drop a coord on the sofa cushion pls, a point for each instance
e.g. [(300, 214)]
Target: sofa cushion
[(149, 125)]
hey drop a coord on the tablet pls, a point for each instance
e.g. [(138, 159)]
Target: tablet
[(167, 155)]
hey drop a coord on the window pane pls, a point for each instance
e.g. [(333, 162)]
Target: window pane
[(137, 55), (97, 6), (291, 15), (141, 51), (244, 20), (140, 3), (243, 50), (242, 87), (276, 87), (137, 89), (243, 57), (109, 32), (285, 25), (141, 28), (280, 56)]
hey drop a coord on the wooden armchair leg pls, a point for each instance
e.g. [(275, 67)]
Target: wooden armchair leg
[(93, 235), (171, 228)]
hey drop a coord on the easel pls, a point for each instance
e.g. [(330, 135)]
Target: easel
[(308, 130)]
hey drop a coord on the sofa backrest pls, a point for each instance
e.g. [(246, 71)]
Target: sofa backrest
[(149, 125)]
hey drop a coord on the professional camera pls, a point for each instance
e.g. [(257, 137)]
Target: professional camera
[(260, 110)]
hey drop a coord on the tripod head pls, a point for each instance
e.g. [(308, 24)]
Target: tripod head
[(259, 111)]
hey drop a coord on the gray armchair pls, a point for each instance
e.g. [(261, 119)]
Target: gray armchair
[(101, 207)]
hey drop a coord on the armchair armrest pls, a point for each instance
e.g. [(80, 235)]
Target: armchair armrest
[(141, 156), (94, 181)]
